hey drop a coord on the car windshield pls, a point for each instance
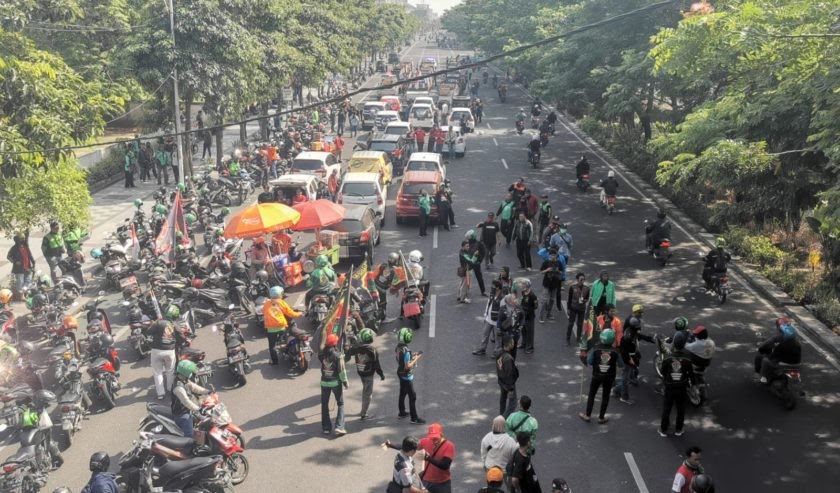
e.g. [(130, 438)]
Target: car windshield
[(306, 164), (391, 130), (414, 188), (361, 164), (458, 115), (421, 166), (421, 113), (373, 108), (359, 189), (383, 146), (347, 226)]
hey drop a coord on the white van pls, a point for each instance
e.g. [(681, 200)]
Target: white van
[(422, 116), (426, 161), (364, 189), (316, 163)]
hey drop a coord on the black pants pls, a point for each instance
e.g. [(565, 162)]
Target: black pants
[(129, 178), (145, 172), (575, 318), (673, 396), (491, 253), (407, 389), (507, 401), (423, 219), (523, 253), (444, 211), (206, 150), (162, 173), (478, 277), (506, 227), (273, 338), (604, 382), (175, 174)]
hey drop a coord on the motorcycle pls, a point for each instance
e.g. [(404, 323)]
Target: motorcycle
[(74, 401), (20, 473), (103, 371), (96, 315), (296, 348), (203, 371), (697, 389), (610, 204), (318, 308), (535, 122), (503, 94), (159, 418), (520, 126), (8, 328), (543, 139), (38, 453), (719, 282), (412, 305), (237, 355), (583, 183), (534, 159), (138, 324), (785, 383)]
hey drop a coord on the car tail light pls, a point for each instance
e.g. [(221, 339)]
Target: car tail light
[(724, 279), (320, 171), (379, 200), (10, 468), (793, 374), (584, 177), (364, 237), (665, 244)]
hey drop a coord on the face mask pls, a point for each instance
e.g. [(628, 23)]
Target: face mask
[(562, 231)]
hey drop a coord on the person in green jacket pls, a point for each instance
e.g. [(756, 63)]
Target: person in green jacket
[(522, 421), (602, 293), (424, 203), (333, 381), (467, 261), (163, 164), (52, 246), (505, 214), (128, 166)]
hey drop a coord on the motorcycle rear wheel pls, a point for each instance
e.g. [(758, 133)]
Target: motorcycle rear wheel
[(696, 396), (238, 466), (721, 296), (657, 364), (66, 439), (108, 397), (303, 362)]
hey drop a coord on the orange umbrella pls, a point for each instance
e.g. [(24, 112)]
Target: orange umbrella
[(261, 219), (317, 214)]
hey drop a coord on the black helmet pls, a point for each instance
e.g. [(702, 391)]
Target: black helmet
[(100, 462), (702, 484), (39, 300), (661, 213), (105, 339), (679, 340), (190, 293), (262, 275), (238, 267)]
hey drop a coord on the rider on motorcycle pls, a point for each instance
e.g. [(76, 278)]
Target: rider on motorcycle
[(321, 280), (100, 480), (261, 284), (534, 147), (700, 348), (581, 168), (536, 108), (609, 187), (716, 261), (385, 278), (659, 230), (520, 117), (781, 349), (276, 313), (183, 391)]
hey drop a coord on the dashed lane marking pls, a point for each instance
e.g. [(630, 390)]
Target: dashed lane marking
[(637, 475), (504, 163), (432, 313)]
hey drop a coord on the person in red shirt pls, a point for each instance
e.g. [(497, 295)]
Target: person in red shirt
[(690, 468), (412, 139), (420, 136), (439, 138), (438, 453), (339, 146), (299, 197), (332, 185)]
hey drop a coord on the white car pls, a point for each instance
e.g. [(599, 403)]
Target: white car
[(316, 163), (364, 189), (369, 112), (424, 100), (457, 114), (460, 141), (398, 128), (422, 116), (383, 118), (426, 161)]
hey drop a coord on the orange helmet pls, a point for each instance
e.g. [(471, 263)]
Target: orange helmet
[(5, 295), (332, 340), (70, 322)]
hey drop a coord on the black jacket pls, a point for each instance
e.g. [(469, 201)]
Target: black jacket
[(506, 371), (610, 186), (165, 335), (676, 370), (528, 303), (367, 360), (780, 350)]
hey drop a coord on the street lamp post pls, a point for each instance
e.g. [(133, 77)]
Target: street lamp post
[(178, 142)]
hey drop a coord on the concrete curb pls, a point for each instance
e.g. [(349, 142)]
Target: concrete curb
[(806, 320)]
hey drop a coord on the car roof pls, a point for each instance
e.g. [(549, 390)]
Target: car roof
[(353, 211), (459, 108), (367, 155), (374, 103), (388, 113), (398, 123), (385, 137), (421, 105), (445, 128), (421, 177), (390, 98), (424, 156), (292, 179), (360, 177), (319, 155)]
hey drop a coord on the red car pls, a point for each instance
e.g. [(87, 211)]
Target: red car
[(412, 183)]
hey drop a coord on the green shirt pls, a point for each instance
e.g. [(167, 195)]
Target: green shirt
[(528, 424), (424, 203), (52, 244), (162, 157), (72, 239)]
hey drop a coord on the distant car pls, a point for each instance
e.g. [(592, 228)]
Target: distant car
[(396, 146), (364, 189), (425, 100), (315, 163), (460, 141), (398, 128), (461, 102), (412, 183), (425, 161), (383, 118), (372, 162), (369, 111), (457, 114), (358, 232), (285, 187), (394, 101), (422, 116), (393, 58)]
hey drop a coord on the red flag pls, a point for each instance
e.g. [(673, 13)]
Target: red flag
[(135, 245), (168, 238)]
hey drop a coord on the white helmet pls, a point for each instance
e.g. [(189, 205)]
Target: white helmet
[(611, 174), (415, 256)]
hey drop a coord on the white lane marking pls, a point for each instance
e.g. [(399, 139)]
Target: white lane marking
[(637, 475), (435, 237), (504, 163), (825, 354), (432, 310), (488, 125), (495, 141)]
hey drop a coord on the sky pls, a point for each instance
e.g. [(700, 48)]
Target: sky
[(437, 5)]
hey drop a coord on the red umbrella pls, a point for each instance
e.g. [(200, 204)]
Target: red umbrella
[(317, 214)]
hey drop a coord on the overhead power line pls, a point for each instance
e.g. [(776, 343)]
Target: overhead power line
[(511, 52)]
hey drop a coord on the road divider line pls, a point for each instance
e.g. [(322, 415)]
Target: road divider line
[(637, 475), (488, 125), (495, 141), (432, 310), (504, 163), (435, 237)]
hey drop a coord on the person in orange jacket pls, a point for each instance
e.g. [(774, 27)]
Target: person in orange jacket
[(591, 332), (277, 313)]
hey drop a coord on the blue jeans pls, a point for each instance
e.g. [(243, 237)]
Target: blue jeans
[(185, 422), (338, 391), (452, 151), (622, 389), (22, 280)]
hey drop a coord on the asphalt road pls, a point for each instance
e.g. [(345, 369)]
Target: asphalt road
[(750, 443)]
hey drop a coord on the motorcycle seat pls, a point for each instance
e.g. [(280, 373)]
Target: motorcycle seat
[(217, 295), (159, 409), (181, 467), (174, 442), (233, 342), (189, 351), (22, 455), (69, 397), (296, 332)]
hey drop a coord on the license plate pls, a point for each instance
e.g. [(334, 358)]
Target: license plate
[(237, 358), (128, 281)]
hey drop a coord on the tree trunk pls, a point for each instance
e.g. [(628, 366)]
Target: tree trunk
[(188, 136), (264, 125), (220, 132), (243, 132), (645, 118)]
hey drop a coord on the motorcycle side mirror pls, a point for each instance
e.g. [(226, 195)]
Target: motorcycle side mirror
[(126, 303), (231, 307), (214, 328), (127, 219), (101, 293)]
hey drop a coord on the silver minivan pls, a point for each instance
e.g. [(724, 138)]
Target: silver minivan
[(364, 189)]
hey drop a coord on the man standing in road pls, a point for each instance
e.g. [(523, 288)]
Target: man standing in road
[(676, 374), (544, 214), (576, 306), (479, 253), (424, 205), (450, 141), (505, 213), (688, 470), (420, 138), (367, 363), (507, 374), (528, 303), (604, 360), (165, 336), (404, 477), (554, 273), (523, 231), (603, 293), (629, 348), (522, 422), (438, 453), (333, 381), (491, 316), (523, 477), (406, 363), (490, 231), (23, 263), (52, 246)]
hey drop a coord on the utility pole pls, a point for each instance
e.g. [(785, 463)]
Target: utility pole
[(177, 100)]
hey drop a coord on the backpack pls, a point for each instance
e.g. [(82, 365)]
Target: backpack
[(720, 261), (399, 352)]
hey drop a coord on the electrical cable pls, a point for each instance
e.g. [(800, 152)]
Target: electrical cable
[(503, 54)]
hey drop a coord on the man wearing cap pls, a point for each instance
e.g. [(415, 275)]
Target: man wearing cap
[(630, 354), (438, 453), (490, 232), (495, 480)]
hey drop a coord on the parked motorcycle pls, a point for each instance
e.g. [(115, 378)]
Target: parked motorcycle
[(38, 453), (104, 369), (203, 371), (74, 401), (237, 354), (159, 418), (96, 315)]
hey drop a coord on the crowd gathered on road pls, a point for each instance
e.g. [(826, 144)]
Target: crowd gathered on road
[(184, 266)]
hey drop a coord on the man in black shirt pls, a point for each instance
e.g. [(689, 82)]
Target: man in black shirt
[(507, 374), (523, 477), (676, 374), (367, 363), (554, 273), (604, 360), (528, 302), (490, 232)]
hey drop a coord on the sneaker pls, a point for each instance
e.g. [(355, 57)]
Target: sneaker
[(763, 379), (602, 421), (339, 431), (326, 432), (662, 433), (160, 397), (366, 417), (529, 351), (528, 269), (466, 301), (542, 320), (627, 401), (418, 421), (479, 352), (678, 433), (584, 417), (485, 295), (551, 317), (402, 415)]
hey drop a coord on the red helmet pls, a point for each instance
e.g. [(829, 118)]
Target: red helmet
[(197, 283), (70, 322), (782, 321), (332, 340)]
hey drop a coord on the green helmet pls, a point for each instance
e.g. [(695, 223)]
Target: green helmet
[(138, 203), (680, 323), (185, 368), (405, 335), (189, 218), (29, 418), (182, 188), (160, 209), (219, 232), (470, 234), (225, 211), (366, 336), (172, 312), (607, 337), (322, 261), (720, 242)]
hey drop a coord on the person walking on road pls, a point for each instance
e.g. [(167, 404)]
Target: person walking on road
[(438, 453), (354, 124), (576, 306), (602, 293), (162, 163), (466, 262), (276, 315), (450, 141), (333, 381), (424, 203), (676, 374), (479, 252), (165, 337), (507, 374), (528, 303), (505, 214), (491, 316), (490, 232), (420, 138), (367, 364), (562, 242), (129, 160), (523, 231), (404, 478), (497, 447), (544, 214), (521, 421), (52, 247), (521, 473), (406, 363), (688, 470), (604, 360), (23, 263), (629, 348), (554, 273), (207, 144)]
